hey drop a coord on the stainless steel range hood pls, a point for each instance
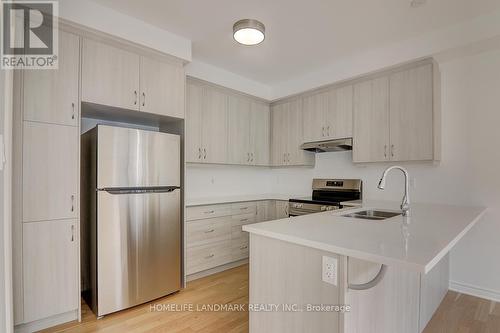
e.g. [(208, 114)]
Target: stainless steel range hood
[(328, 145)]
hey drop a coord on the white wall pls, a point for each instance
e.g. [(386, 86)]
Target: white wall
[(95, 16), (468, 173)]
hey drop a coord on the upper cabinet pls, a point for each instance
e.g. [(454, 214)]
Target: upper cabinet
[(115, 77), (239, 130), (411, 114), (206, 124), (371, 121), (162, 88), (110, 76), (52, 95), (249, 132), (260, 134), (225, 127), (328, 114), (287, 135), (395, 116)]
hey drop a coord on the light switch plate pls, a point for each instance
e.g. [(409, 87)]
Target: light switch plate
[(329, 272)]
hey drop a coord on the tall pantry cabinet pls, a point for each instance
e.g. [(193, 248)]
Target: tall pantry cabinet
[(46, 190)]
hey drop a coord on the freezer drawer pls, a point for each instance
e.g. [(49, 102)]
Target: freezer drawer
[(135, 158), (138, 248)]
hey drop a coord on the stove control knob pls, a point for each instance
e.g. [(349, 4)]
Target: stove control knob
[(329, 208), (323, 208)]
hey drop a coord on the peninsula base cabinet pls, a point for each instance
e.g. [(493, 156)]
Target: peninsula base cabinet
[(290, 276)]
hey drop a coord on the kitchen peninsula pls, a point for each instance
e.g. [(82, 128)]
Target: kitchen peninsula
[(393, 273)]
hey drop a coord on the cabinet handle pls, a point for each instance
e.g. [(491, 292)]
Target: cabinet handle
[(73, 110), (72, 233), (204, 153), (72, 203), (135, 94), (323, 132), (243, 220), (210, 212), (248, 157), (143, 98), (209, 231), (385, 151), (244, 208), (392, 150), (252, 157), (328, 130), (199, 153), (243, 247), (209, 256)]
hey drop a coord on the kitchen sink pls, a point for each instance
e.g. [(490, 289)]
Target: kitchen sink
[(373, 214)]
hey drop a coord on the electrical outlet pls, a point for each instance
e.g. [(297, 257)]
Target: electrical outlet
[(329, 272)]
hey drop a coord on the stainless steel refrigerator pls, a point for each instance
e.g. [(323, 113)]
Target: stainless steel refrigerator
[(131, 221)]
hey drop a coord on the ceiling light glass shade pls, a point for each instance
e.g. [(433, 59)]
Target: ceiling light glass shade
[(249, 32)]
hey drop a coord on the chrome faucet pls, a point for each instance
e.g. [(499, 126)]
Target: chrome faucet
[(405, 204)]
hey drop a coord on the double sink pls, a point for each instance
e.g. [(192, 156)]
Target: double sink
[(373, 214)]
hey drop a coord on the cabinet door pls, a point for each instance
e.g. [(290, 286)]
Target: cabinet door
[(279, 134), (315, 109), (162, 88), (52, 95), (194, 119), (411, 114), (50, 172), (214, 126), (238, 130), (260, 134), (110, 76), (50, 268), (295, 155), (371, 121), (339, 115)]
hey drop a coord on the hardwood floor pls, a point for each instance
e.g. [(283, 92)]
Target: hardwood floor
[(457, 314)]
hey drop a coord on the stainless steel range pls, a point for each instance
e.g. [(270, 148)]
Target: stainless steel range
[(327, 195)]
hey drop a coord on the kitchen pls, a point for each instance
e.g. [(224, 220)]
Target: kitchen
[(249, 121)]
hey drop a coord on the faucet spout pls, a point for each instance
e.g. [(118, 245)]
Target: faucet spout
[(405, 203)]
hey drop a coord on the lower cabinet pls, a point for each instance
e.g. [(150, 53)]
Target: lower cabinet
[(50, 269), (214, 234), (281, 209)]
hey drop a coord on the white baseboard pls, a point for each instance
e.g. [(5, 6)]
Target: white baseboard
[(47, 322), (215, 270), (475, 291)]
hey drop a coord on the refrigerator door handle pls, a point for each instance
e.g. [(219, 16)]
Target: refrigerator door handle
[(138, 190)]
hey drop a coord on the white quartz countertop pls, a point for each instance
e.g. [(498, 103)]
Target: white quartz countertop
[(239, 198), (417, 242)]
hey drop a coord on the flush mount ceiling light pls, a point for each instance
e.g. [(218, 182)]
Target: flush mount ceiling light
[(249, 32)]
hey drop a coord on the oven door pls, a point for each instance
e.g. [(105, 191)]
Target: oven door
[(302, 208)]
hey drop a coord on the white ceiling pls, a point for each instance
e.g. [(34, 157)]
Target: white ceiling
[(301, 36)]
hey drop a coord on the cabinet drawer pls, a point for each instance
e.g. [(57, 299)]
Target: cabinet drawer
[(203, 212), (240, 248), (208, 230), (238, 222), (204, 257), (244, 208)]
